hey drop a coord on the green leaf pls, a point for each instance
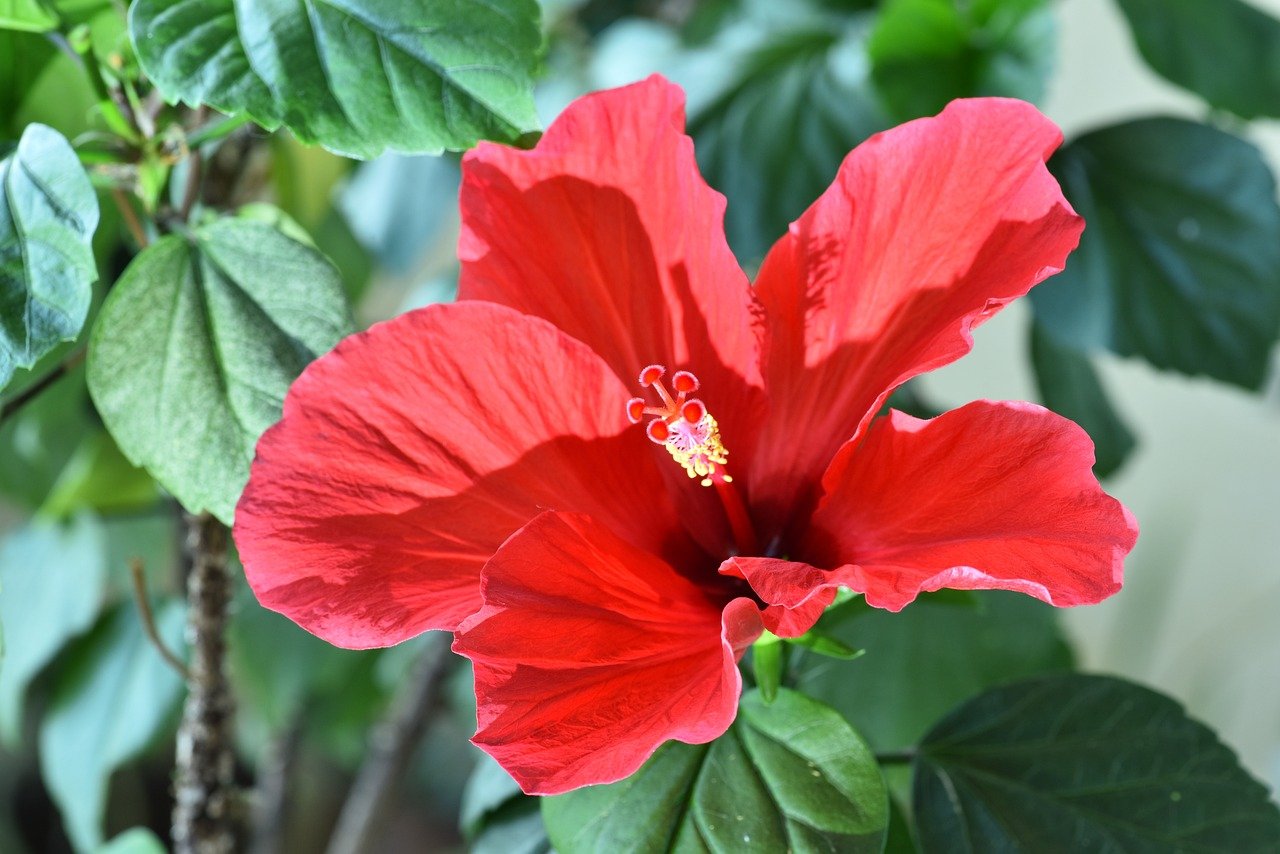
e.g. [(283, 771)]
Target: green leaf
[(789, 775), (98, 477), (352, 75), (37, 441), (497, 817), (197, 344), (52, 579), (138, 840), (48, 213), (925, 53), (112, 699), (1180, 263), (28, 15), (1070, 386), (922, 661), (1086, 763), (1223, 50), (774, 138), (23, 57)]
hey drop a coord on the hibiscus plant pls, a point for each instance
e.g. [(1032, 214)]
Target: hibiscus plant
[(379, 376)]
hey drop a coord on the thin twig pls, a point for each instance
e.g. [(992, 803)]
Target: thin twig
[(149, 619), (130, 218), (205, 801), (10, 407), (392, 744)]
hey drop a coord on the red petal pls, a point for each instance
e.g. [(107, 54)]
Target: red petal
[(590, 653), (407, 455), (789, 614), (608, 230), (988, 496), (928, 230)]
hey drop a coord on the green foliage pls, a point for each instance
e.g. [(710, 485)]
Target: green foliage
[(788, 775), (1226, 51), (52, 580), (98, 477), (197, 344), (355, 76), (29, 15), (1180, 263), (112, 698), (790, 109), (933, 654), (37, 442), (925, 53), (48, 214), (1070, 386), (136, 841), (497, 818), (1085, 763)]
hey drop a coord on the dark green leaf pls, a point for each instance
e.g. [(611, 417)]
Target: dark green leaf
[(1180, 262), (899, 840), (1070, 386), (1223, 50), (48, 213), (925, 53), (198, 342), (52, 579), (773, 139), (29, 15), (789, 775), (23, 56), (110, 702), (922, 661), (1084, 763), (353, 75)]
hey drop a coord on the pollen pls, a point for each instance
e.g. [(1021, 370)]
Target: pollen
[(681, 424)]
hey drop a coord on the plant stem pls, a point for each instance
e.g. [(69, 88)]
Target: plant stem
[(392, 744), (272, 795), (897, 757), (10, 407), (204, 808)]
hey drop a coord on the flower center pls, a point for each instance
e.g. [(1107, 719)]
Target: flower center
[(689, 433), (682, 425)]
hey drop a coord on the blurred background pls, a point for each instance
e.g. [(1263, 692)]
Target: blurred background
[(1188, 423)]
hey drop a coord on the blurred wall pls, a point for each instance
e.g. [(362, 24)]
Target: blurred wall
[(1199, 616)]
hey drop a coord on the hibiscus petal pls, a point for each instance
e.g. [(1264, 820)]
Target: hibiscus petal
[(608, 230), (988, 496), (590, 653), (787, 614), (928, 229), (407, 455)]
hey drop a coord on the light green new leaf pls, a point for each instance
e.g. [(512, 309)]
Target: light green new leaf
[(1226, 51), (27, 15), (196, 345), (52, 579), (1180, 262), (356, 76), (1084, 763), (111, 701), (48, 213), (791, 775)]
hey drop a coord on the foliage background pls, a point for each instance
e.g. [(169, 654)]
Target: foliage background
[(1196, 618)]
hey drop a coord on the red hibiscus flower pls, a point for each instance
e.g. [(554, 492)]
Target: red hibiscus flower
[(478, 467)]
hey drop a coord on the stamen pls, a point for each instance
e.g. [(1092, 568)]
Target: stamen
[(692, 437)]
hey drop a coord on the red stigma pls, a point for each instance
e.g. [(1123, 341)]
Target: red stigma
[(658, 431), (635, 409), (684, 382), (651, 375), (693, 411)]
